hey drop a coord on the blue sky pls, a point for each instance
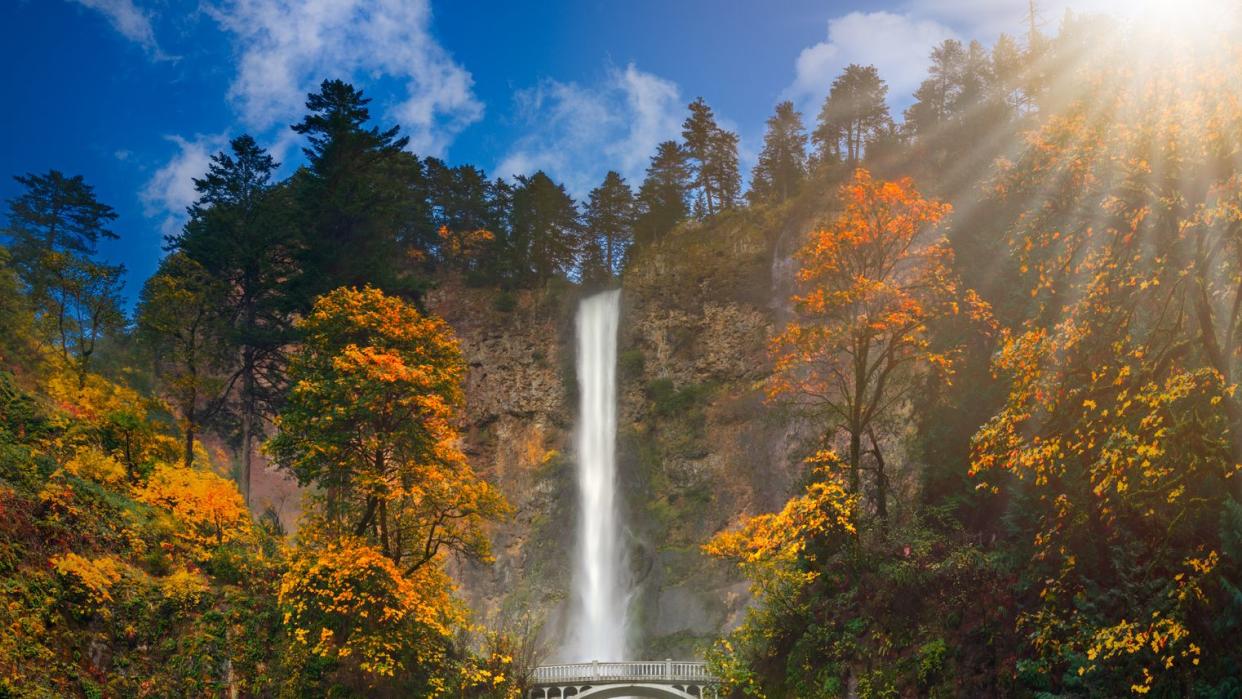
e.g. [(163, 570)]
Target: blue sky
[(135, 94)]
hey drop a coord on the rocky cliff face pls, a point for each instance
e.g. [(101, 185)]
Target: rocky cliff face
[(696, 447)]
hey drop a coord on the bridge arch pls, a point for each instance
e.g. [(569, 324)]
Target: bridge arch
[(613, 691), (610, 680)]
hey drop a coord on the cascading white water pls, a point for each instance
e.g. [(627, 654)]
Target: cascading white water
[(597, 618)]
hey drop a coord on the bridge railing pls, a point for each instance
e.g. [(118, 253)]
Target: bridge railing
[(631, 671)]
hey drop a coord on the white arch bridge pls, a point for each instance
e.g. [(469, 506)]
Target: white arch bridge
[(653, 679)]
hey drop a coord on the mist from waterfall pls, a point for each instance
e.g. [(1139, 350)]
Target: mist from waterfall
[(597, 628)]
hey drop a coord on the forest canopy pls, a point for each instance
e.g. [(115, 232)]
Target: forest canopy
[(1007, 353)]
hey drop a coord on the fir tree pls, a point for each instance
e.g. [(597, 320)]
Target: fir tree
[(853, 113), (609, 220), (661, 202), (546, 231), (782, 162), (240, 234), (714, 154), (54, 227), (353, 196)]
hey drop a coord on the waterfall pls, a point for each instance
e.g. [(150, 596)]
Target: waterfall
[(597, 617)]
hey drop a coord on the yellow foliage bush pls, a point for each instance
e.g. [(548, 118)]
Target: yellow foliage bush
[(93, 464), (351, 601), (209, 507), (184, 587), (94, 577), (95, 400)]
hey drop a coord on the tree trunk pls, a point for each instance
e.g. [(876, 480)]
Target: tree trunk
[(247, 418), (1233, 412), (189, 443), (854, 458), (881, 485)]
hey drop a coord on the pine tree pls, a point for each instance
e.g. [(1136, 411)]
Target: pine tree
[(661, 202), (609, 221), (55, 215), (959, 101), (782, 162), (937, 95), (854, 112), (724, 168), (54, 227), (353, 195), (546, 229), (714, 154), (240, 233), (699, 133)]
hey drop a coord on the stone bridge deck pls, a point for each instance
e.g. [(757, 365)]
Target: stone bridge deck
[(656, 679)]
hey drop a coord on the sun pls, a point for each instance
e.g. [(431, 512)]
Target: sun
[(1185, 20)]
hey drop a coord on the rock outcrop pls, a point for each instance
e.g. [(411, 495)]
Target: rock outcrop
[(696, 448)]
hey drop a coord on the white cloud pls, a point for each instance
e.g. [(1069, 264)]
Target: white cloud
[(898, 42), (987, 19), (576, 133), (132, 22), (171, 189), (286, 47), (898, 46)]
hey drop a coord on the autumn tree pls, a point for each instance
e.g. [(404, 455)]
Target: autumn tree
[(18, 345), (179, 319), (871, 282), (349, 605), (370, 422), (854, 112), (781, 554), (1120, 432), (782, 162), (661, 203)]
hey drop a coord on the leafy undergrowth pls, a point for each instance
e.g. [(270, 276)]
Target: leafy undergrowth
[(122, 574)]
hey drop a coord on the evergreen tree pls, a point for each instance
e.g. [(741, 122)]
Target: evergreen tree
[(959, 102), (1007, 68), (937, 95), (782, 162), (699, 133), (661, 202), (353, 196), (714, 152), (240, 233), (853, 113), (609, 220), (724, 168), (545, 239), (54, 226)]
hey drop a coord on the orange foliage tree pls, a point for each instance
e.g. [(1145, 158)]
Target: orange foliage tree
[(781, 554), (871, 283), (371, 422), (1122, 431), (351, 604), (208, 508)]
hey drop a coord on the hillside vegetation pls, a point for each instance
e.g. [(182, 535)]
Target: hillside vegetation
[(939, 407)]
